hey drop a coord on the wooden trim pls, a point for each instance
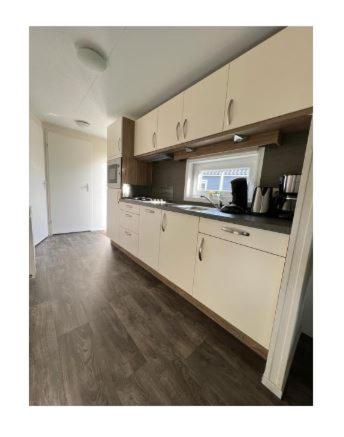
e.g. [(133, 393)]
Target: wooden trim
[(248, 341), (256, 140), (292, 122)]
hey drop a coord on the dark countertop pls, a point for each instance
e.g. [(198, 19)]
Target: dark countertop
[(281, 226)]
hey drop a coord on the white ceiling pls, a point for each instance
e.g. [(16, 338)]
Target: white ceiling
[(146, 66)]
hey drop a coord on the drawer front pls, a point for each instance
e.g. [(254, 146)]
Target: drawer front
[(129, 240), (129, 221), (272, 242), (135, 209)]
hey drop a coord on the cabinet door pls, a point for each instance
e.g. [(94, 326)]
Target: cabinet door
[(146, 133), (272, 79), (170, 122), (149, 236), (204, 106), (113, 214), (240, 284), (114, 139), (178, 240)]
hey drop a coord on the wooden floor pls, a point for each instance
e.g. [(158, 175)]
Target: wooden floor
[(103, 331)]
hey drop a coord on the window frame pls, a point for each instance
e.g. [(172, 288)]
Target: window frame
[(213, 160)]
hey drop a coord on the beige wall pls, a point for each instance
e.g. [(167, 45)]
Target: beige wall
[(98, 191)]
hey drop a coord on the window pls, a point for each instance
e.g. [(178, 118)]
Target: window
[(213, 175)]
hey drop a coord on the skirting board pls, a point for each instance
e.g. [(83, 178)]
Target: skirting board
[(272, 387), (248, 341)]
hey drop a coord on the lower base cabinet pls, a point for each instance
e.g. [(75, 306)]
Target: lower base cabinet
[(129, 240), (113, 214), (240, 284), (178, 240), (149, 236)]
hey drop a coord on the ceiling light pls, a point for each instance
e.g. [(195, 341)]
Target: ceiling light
[(92, 58), (82, 123)]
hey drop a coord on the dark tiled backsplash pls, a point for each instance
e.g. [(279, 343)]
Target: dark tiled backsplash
[(169, 176)]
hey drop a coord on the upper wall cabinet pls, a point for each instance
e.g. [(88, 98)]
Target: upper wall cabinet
[(170, 116), (114, 139), (204, 106), (272, 79), (146, 129)]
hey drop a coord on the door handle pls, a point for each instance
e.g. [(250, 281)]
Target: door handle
[(229, 107), (163, 223), (178, 130), (235, 231), (154, 140), (200, 250), (86, 186), (185, 124)]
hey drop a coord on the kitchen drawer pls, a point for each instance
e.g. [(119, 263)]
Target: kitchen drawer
[(129, 240), (129, 221), (272, 242), (130, 207)]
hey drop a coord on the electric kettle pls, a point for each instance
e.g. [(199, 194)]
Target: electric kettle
[(261, 200)]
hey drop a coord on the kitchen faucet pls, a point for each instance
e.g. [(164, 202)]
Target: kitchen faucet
[(210, 201)]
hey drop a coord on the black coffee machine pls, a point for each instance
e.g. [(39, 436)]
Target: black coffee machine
[(238, 204)]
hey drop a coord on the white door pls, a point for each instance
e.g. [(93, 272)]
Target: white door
[(146, 133), (204, 106), (38, 197), (70, 183), (149, 236), (240, 284), (113, 214), (178, 242)]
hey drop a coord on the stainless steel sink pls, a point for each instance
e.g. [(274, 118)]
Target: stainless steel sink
[(195, 208)]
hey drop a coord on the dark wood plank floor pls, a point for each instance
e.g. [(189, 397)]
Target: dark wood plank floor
[(103, 331)]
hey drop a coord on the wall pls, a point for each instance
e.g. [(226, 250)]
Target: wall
[(37, 180), (169, 175), (99, 158)]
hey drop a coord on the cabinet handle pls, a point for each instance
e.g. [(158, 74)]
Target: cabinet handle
[(154, 140), (129, 206), (178, 130), (185, 124), (119, 144), (150, 211), (118, 196), (235, 231), (163, 223), (200, 250), (128, 215), (128, 233), (229, 107)]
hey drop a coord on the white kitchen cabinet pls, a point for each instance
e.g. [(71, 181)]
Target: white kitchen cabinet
[(129, 240), (149, 236), (272, 79), (113, 214), (170, 122), (178, 241), (238, 283), (204, 106), (146, 131), (114, 139)]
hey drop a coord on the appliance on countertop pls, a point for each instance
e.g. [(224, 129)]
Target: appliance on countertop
[(150, 200), (114, 173), (261, 200), (238, 205), (285, 201)]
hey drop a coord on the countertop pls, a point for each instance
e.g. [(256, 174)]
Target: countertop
[(281, 226)]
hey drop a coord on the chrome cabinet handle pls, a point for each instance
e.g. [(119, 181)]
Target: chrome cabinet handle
[(178, 130), (118, 196), (119, 144), (163, 223), (150, 211), (229, 107), (200, 250), (154, 140), (185, 127), (128, 215), (128, 233), (129, 206), (235, 231)]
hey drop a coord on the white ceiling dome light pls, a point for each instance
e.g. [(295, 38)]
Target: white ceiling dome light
[(92, 58), (82, 123)]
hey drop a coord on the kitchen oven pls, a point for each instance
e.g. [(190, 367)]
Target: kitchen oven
[(114, 169)]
